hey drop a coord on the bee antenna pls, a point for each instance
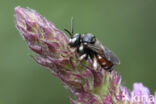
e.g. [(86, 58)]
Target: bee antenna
[(72, 26), (71, 35)]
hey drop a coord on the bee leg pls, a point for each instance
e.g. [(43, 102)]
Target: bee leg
[(110, 68), (82, 57), (95, 63)]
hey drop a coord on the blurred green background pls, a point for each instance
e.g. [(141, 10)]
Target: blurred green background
[(127, 27)]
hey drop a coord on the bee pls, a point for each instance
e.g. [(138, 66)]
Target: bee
[(89, 47)]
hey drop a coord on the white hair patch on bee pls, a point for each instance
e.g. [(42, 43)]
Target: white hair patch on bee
[(81, 48), (95, 64), (82, 57), (85, 43), (73, 40), (103, 63), (99, 57), (70, 40)]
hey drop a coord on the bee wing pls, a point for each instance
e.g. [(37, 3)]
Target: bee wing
[(104, 52)]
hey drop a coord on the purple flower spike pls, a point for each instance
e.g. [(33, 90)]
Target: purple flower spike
[(88, 85), (155, 98), (141, 94)]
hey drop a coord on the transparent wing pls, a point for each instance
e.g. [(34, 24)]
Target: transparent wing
[(104, 52)]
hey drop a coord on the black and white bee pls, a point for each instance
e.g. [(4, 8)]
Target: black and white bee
[(89, 47)]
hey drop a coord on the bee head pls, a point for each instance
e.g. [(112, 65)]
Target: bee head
[(88, 38), (75, 40)]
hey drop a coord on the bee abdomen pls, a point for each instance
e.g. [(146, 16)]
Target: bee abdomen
[(104, 63)]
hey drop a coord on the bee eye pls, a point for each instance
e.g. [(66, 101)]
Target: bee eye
[(93, 40)]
